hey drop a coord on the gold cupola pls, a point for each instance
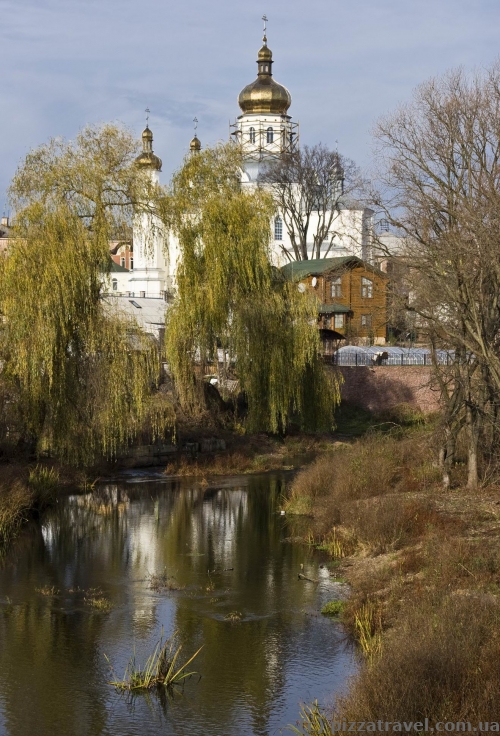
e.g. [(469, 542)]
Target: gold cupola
[(195, 144), (147, 159), (265, 95)]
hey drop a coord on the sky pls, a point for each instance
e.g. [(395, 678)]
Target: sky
[(68, 63)]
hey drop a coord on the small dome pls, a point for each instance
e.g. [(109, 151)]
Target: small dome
[(265, 95), (195, 144), (147, 158), (265, 53)]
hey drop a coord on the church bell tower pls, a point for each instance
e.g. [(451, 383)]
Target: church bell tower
[(264, 129)]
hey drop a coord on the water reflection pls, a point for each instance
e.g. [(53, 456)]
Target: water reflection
[(224, 547)]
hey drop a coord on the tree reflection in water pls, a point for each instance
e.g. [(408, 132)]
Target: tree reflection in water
[(254, 671)]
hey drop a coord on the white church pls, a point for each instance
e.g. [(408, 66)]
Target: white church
[(265, 130)]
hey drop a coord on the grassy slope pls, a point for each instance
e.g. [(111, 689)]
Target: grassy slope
[(424, 567)]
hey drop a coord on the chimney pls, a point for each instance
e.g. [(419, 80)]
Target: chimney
[(5, 221)]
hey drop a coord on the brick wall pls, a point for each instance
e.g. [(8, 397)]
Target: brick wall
[(382, 387)]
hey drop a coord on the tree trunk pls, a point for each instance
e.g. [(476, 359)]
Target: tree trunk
[(472, 436)]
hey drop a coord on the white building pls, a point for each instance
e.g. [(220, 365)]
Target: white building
[(265, 130)]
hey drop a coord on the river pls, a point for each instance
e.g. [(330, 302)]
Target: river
[(222, 548)]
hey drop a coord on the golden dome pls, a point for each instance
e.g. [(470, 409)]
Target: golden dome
[(265, 52), (195, 144), (265, 95), (147, 158), (150, 160)]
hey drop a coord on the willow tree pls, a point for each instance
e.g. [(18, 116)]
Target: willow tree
[(233, 308), (83, 378)]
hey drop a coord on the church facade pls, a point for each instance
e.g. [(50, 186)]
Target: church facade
[(265, 130)]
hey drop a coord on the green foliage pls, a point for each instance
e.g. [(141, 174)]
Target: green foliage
[(82, 375), (332, 608), (230, 297)]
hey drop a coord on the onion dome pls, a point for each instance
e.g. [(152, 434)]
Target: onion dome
[(147, 158), (265, 95), (195, 144)]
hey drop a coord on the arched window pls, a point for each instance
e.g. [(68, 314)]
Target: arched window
[(270, 135), (252, 135), (114, 285), (278, 228)]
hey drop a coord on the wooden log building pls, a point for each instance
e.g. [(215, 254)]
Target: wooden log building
[(351, 295)]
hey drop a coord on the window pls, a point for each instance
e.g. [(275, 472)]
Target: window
[(137, 306), (337, 287), (366, 288), (252, 135), (278, 229), (270, 135), (114, 285), (131, 264), (122, 261), (384, 226), (366, 320), (338, 321)]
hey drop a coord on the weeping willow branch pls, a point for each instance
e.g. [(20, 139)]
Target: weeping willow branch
[(84, 378), (234, 307)]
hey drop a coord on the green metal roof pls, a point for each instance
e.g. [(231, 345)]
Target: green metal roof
[(298, 270), (116, 268), (333, 309)]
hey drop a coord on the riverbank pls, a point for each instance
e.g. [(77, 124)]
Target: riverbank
[(254, 454), (424, 569), (23, 493)]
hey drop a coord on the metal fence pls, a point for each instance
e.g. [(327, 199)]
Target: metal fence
[(390, 356)]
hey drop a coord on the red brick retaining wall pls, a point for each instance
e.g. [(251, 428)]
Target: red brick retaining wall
[(382, 387)]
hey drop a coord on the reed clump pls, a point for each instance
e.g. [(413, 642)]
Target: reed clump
[(161, 581), (162, 669), (23, 494), (98, 601), (313, 722), (332, 608)]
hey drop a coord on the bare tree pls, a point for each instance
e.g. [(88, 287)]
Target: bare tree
[(441, 157), (309, 187)]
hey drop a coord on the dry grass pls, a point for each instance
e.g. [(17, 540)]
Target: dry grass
[(371, 467), (424, 570), (23, 494), (256, 454), (161, 582), (441, 663), (48, 590)]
